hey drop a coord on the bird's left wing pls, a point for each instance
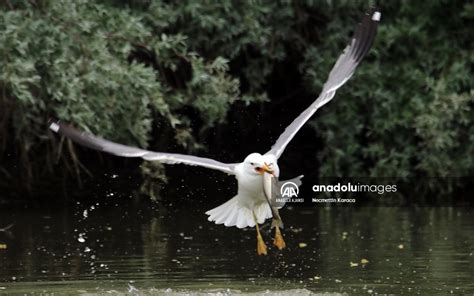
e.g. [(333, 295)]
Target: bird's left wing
[(340, 73), (97, 143)]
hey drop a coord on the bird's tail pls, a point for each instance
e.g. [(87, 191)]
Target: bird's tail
[(234, 213)]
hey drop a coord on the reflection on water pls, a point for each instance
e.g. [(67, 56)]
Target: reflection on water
[(137, 249)]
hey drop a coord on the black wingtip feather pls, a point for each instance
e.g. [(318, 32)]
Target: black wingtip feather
[(368, 41), (365, 34), (79, 137), (362, 41)]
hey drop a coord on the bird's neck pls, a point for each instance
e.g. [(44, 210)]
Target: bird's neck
[(248, 183)]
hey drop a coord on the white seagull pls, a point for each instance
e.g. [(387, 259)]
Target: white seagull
[(251, 206)]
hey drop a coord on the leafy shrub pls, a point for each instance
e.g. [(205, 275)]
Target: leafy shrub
[(121, 68)]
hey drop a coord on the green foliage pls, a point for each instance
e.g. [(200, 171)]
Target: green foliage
[(83, 62), (407, 113), (117, 67)]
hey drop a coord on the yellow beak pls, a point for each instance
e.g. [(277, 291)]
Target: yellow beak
[(265, 168)]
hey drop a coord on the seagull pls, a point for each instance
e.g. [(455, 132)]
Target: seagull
[(258, 173)]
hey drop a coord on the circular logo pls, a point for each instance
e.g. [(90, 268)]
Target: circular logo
[(289, 189)]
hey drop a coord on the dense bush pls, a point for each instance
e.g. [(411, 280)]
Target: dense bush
[(410, 113), (117, 67)]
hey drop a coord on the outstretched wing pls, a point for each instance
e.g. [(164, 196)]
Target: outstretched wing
[(340, 73), (94, 142)]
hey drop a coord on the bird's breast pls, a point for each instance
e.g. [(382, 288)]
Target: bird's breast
[(251, 186)]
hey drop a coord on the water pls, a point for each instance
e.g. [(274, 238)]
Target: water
[(134, 249)]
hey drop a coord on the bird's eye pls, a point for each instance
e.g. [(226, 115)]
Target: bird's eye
[(252, 163)]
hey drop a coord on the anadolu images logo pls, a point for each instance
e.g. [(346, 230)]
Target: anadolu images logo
[(289, 190)]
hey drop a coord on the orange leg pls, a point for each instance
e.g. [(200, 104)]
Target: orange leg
[(261, 247), (278, 241)]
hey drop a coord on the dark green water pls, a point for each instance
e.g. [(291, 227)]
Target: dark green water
[(137, 250)]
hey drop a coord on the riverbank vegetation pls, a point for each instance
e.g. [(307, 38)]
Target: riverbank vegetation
[(203, 77)]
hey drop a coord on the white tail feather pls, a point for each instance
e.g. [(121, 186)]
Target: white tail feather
[(234, 213)]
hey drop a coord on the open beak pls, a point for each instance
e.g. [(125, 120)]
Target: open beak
[(265, 169)]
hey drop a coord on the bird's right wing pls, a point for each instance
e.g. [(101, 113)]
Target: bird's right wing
[(97, 143), (340, 73)]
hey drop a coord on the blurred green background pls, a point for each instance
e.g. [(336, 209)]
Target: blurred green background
[(224, 78)]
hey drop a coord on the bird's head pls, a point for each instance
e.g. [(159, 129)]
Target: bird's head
[(256, 163)]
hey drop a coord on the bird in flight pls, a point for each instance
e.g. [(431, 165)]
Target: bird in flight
[(257, 174)]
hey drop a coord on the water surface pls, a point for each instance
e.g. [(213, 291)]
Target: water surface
[(136, 249)]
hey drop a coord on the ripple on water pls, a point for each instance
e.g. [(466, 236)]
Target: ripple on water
[(152, 253)]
